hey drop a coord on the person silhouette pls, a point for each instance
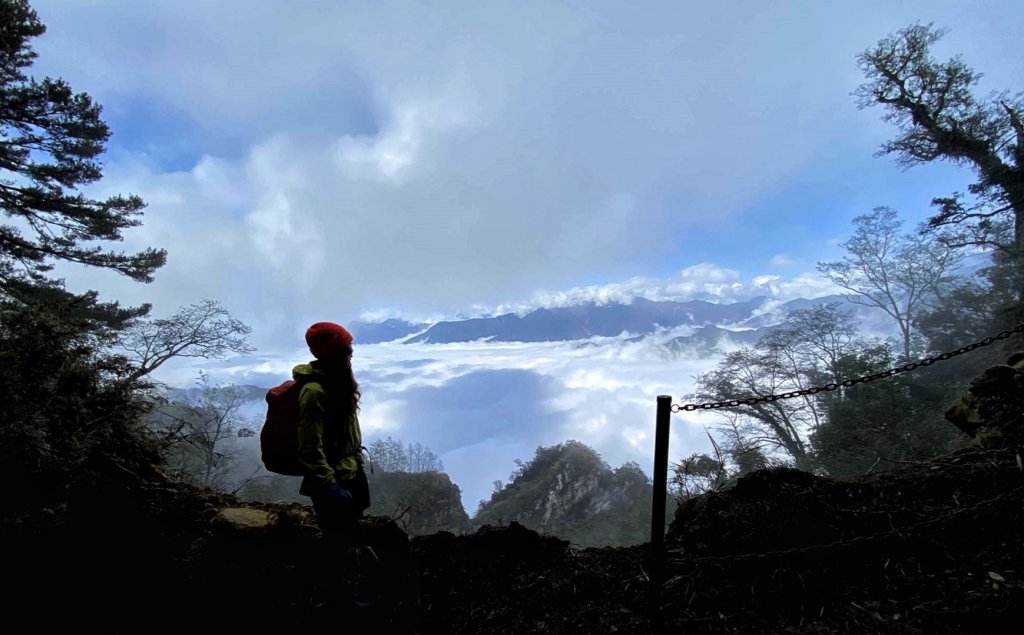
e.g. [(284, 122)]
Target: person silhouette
[(330, 440)]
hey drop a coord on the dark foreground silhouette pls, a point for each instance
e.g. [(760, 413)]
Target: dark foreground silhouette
[(933, 547)]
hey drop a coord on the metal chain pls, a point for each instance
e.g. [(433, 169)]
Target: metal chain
[(906, 368)]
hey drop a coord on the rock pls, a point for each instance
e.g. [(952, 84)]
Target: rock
[(244, 519), (994, 402)]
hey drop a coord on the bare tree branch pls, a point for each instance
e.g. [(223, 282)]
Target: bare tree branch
[(899, 274), (204, 330)]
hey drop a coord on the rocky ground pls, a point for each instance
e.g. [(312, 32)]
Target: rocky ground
[(931, 547)]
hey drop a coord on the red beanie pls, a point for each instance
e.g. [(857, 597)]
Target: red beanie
[(327, 338)]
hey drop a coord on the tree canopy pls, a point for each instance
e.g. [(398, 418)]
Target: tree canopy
[(939, 117), (204, 329), (51, 139), (900, 274)]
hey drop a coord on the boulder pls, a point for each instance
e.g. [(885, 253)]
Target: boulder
[(244, 519), (993, 405)]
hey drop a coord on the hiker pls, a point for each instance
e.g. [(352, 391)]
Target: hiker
[(330, 441)]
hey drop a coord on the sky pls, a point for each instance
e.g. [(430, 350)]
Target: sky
[(310, 161)]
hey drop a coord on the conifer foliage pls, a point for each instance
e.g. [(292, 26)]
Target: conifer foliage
[(51, 139)]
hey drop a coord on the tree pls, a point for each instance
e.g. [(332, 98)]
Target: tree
[(878, 425), (569, 491), (903, 275), (66, 416), (760, 372), (802, 353), (390, 455), (818, 338), (387, 454), (973, 309), (50, 141), (205, 329), (939, 118), (422, 459), (196, 434)]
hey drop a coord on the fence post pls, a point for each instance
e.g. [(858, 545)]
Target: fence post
[(657, 555)]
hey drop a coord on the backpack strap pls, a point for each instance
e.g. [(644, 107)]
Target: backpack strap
[(369, 459), (359, 456)]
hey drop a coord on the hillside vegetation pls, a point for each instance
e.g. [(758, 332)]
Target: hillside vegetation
[(568, 491)]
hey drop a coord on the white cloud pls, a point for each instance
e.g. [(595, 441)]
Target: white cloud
[(704, 281), (804, 285), (387, 155), (480, 405), (384, 158), (347, 158), (707, 280), (782, 260)]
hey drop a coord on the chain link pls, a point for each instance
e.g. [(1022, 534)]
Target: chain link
[(846, 383)]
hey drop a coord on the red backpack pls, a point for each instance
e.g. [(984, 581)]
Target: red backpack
[(279, 438)]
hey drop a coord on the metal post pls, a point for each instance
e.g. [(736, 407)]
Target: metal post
[(657, 560)]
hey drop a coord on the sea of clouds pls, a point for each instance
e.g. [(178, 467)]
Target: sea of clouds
[(480, 406)]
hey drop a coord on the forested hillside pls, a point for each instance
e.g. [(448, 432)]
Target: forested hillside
[(569, 492)]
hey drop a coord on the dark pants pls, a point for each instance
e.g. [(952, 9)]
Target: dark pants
[(339, 520)]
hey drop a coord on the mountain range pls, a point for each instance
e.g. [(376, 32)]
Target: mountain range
[(583, 321)]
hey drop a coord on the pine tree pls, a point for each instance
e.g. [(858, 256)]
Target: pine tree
[(51, 139)]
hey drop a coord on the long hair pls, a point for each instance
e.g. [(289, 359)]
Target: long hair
[(347, 380)]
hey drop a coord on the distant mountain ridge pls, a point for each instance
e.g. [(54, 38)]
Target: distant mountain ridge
[(368, 332), (704, 342), (583, 321)]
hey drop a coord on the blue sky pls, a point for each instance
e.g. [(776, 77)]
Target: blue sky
[(312, 161), (319, 160)]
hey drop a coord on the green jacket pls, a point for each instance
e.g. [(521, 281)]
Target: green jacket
[(329, 439)]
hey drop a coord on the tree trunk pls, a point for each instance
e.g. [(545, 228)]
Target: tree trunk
[(1016, 196)]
